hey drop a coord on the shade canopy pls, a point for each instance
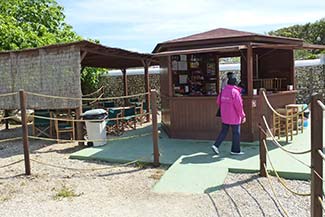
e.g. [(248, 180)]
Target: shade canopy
[(97, 55)]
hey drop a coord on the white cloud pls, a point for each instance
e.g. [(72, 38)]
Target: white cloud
[(159, 19)]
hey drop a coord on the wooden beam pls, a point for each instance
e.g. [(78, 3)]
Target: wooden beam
[(217, 75), (201, 50), (111, 53), (249, 70), (147, 87), (125, 85), (155, 137), (83, 55)]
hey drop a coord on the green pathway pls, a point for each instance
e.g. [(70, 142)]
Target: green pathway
[(195, 169)]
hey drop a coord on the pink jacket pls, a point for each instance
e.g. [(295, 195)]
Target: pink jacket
[(231, 103)]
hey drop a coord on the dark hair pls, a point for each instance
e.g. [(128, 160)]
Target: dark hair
[(230, 75), (232, 81)]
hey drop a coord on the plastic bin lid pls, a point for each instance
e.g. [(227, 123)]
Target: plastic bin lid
[(94, 112)]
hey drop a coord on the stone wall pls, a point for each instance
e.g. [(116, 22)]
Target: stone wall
[(46, 71), (114, 85), (309, 79)]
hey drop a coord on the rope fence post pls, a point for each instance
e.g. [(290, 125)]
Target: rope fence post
[(153, 95), (262, 136), (316, 159), (79, 128), (23, 106)]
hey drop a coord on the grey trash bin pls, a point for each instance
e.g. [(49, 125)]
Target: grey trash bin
[(96, 125)]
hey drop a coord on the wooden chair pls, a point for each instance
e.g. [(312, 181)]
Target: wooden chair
[(63, 126), (298, 121), (106, 104), (277, 83), (267, 84), (42, 127), (139, 111), (283, 125), (129, 118), (114, 126)]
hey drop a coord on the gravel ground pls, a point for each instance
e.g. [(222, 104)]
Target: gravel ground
[(126, 190)]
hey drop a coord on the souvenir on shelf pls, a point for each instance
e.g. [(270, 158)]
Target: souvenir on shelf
[(194, 75), (182, 65), (183, 79), (183, 58), (174, 65), (211, 68), (194, 65)]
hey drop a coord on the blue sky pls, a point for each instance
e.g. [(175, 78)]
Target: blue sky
[(139, 25)]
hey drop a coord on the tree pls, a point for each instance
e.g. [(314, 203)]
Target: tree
[(33, 23), (36, 23), (311, 32)]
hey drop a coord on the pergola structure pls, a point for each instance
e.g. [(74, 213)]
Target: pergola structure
[(96, 55), (55, 70), (190, 78)]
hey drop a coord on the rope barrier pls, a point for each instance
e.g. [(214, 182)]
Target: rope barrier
[(320, 152), (94, 140), (275, 195), (13, 163), (7, 118), (321, 203), (280, 115), (10, 139), (95, 120), (290, 154), (93, 93), (85, 99), (277, 143), (279, 178), (85, 169), (321, 105), (317, 174), (97, 99), (8, 94)]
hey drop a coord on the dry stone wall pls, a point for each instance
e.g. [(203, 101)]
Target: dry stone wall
[(114, 85), (309, 79)]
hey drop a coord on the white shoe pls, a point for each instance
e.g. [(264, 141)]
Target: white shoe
[(237, 153), (215, 149)]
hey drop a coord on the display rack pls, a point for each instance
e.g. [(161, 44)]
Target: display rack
[(194, 75)]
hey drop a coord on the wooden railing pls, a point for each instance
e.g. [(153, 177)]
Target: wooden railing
[(269, 83)]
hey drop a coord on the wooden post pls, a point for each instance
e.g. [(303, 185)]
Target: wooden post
[(7, 120), (147, 88), (153, 94), (23, 106), (125, 86), (79, 127), (316, 160), (262, 111), (249, 70), (217, 75)]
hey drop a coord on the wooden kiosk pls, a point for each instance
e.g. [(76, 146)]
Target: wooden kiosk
[(190, 79)]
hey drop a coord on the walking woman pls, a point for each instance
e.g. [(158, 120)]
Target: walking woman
[(232, 115)]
